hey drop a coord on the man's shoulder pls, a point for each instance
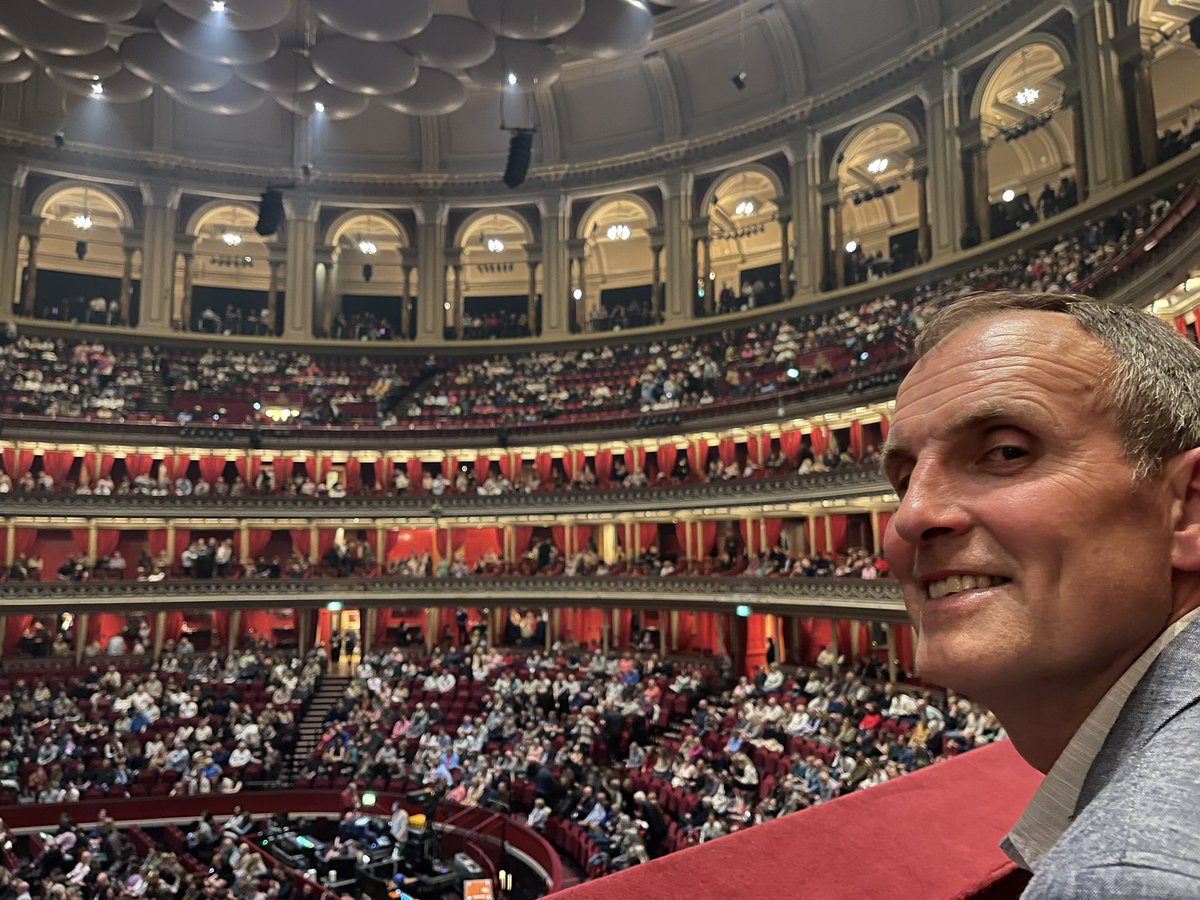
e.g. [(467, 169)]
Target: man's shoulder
[(1140, 835)]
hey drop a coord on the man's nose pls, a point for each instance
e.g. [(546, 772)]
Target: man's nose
[(931, 506)]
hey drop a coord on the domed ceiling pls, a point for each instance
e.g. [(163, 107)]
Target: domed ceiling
[(417, 85)]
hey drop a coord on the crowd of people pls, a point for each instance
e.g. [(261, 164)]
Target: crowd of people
[(47, 377), (601, 742), (190, 724)]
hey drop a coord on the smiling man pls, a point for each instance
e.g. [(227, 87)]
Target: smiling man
[(1045, 450)]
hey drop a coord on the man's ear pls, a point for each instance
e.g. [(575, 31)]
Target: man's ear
[(1183, 482)]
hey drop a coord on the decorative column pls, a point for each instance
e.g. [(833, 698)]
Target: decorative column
[(835, 268), (533, 256), (889, 629), (556, 266), (833, 643), (160, 627), (940, 92), (785, 258), (876, 537), (704, 238), (1103, 102), (323, 257), (160, 201), (29, 294), (81, 629), (301, 211), (1073, 106), (368, 623), (131, 242), (276, 260), (681, 285), (1139, 99), (185, 248), (12, 186), (431, 295), (924, 239), (804, 169), (975, 171), (303, 629), (408, 263), (93, 540), (455, 261), (575, 250), (235, 625), (656, 246)]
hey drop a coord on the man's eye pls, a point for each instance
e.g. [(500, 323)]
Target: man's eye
[(1007, 453)]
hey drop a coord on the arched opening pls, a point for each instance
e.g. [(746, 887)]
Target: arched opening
[(489, 288), (1173, 72), (227, 283), (742, 268), (1029, 136), (619, 273), (881, 215), (84, 269), (371, 289)]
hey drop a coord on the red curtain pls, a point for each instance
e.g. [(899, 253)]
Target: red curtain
[(138, 464), (354, 474), (685, 546), (211, 467), (57, 464), (320, 472), (103, 463), (248, 468), (301, 541), (856, 439), (17, 462), (177, 465), (789, 443), (604, 466), (156, 539), (475, 542), (884, 519), (80, 537), (697, 452), (666, 458), (728, 451), (648, 535), (543, 465), (506, 465), (183, 537), (904, 647), (173, 627), (259, 538), (838, 528), (708, 536), (283, 467), (817, 439), (750, 532), (483, 465), (24, 540), (758, 447), (635, 459), (401, 543), (325, 539), (448, 466), (774, 529), (1181, 325), (523, 536), (884, 425), (220, 629), (558, 534), (415, 470)]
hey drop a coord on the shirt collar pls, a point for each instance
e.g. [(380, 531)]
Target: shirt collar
[(1052, 809)]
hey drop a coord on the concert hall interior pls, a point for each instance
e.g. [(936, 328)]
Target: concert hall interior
[(440, 441)]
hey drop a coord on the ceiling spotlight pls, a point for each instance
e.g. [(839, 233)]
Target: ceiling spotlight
[(319, 106), (231, 239), (512, 79), (97, 88), (495, 245), (739, 80), (1009, 195), (745, 208), (218, 6), (878, 166), (618, 232), (851, 246), (1027, 96), (366, 247), (83, 222), (577, 294)]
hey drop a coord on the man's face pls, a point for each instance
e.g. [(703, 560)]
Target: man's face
[(1008, 468)]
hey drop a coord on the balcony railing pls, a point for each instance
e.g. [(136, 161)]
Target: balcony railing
[(877, 600), (837, 485)]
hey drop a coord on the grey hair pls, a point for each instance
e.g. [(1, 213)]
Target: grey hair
[(1152, 386)]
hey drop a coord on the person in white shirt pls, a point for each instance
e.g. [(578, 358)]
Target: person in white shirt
[(539, 815), (241, 756)]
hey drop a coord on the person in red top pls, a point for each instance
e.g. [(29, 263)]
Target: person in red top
[(872, 719)]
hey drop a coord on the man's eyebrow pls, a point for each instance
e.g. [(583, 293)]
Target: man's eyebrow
[(894, 450)]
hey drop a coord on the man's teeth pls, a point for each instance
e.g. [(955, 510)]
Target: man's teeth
[(957, 583)]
